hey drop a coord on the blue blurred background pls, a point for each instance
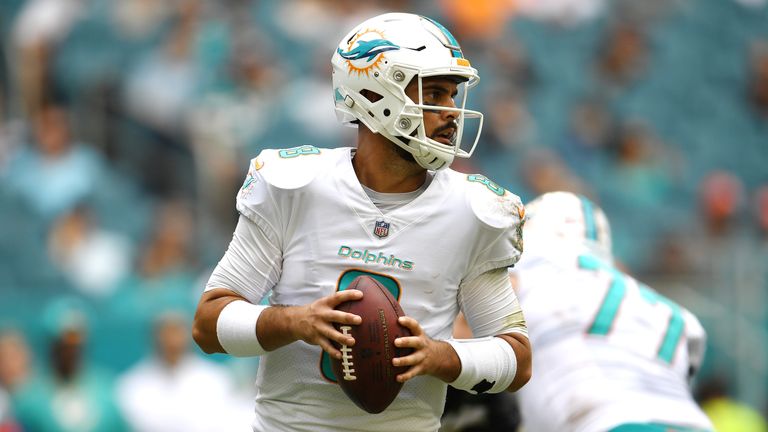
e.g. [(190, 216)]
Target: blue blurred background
[(126, 127)]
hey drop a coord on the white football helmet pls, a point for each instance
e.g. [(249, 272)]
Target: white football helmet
[(563, 217), (382, 55)]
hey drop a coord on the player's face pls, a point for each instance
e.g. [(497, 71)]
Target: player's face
[(440, 125)]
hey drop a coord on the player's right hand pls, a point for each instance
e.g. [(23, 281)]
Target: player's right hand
[(314, 324)]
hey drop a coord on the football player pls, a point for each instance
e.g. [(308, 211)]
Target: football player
[(312, 219), (612, 354)]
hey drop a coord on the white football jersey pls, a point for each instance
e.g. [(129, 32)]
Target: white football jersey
[(608, 350), (310, 204)]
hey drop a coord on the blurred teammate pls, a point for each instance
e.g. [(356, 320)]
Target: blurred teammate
[(312, 219), (611, 353)]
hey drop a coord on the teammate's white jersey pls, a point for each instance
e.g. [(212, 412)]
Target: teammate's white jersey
[(311, 206), (608, 350)]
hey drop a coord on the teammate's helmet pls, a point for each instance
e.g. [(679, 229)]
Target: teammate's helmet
[(557, 217), (382, 55)]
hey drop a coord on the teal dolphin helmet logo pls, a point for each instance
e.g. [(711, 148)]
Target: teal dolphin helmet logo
[(368, 49), (365, 50)]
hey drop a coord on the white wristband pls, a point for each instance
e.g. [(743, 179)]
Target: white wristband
[(488, 365), (236, 329)]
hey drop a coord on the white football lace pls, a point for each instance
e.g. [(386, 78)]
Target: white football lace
[(346, 358)]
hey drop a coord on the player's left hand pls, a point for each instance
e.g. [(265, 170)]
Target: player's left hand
[(429, 356)]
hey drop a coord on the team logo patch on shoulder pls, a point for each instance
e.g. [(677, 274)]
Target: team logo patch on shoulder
[(381, 229), (248, 184)]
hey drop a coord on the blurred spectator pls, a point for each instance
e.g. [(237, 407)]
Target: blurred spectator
[(173, 390), (670, 260), (725, 267), (165, 275), (39, 28), (728, 414), (315, 24), (166, 269), (137, 19), (56, 172), (311, 120), (567, 13), (755, 4), (508, 63), (14, 370), (758, 78), (164, 81), (509, 125), (7, 422), (162, 89), (70, 396), (230, 120), (319, 22), (91, 257), (623, 57), (642, 167), (11, 133), (544, 171), (15, 360), (761, 212), (644, 12), (705, 250), (170, 246), (721, 199), (760, 274), (586, 140)]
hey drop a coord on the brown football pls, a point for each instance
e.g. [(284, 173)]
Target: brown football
[(365, 372)]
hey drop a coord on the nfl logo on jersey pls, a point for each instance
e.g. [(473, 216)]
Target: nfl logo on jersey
[(381, 229)]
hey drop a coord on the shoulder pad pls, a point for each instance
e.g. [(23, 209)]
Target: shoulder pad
[(498, 214), (492, 204), (291, 168)]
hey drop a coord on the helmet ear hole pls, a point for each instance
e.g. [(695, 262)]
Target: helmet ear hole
[(371, 95), (386, 112)]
